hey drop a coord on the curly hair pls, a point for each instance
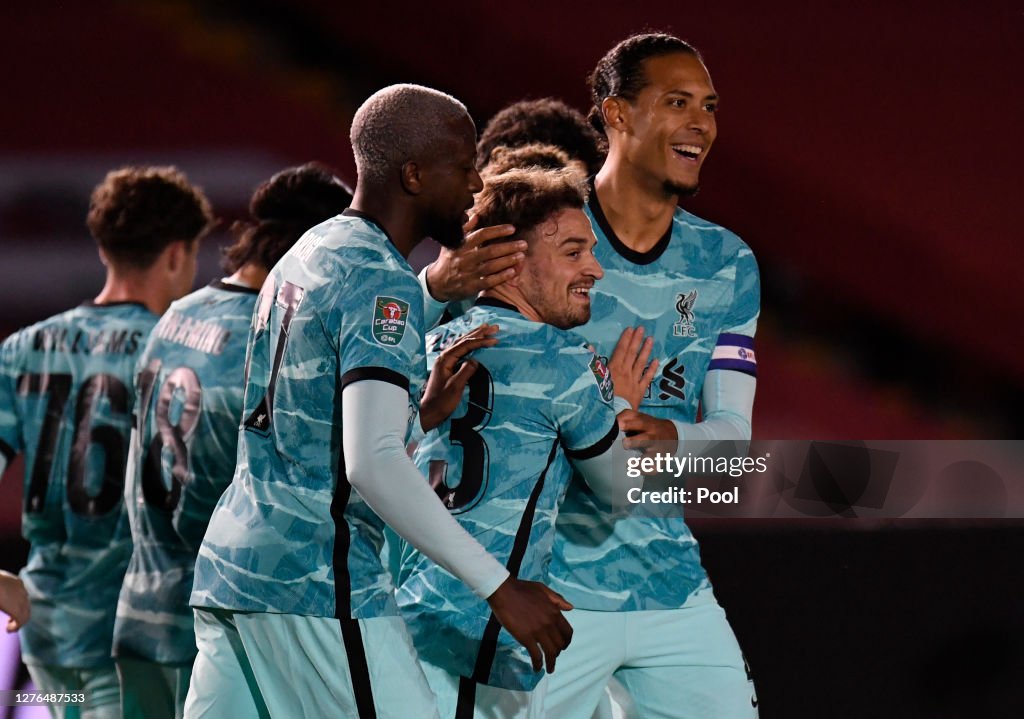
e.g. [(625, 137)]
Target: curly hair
[(527, 197), (138, 211), (620, 73), (281, 210), (535, 155), (547, 121)]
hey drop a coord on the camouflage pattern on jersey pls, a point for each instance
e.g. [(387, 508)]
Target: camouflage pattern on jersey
[(189, 389), (289, 535), (500, 464), (66, 401), (697, 293)]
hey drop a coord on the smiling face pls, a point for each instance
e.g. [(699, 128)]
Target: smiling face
[(670, 127), (560, 269), (450, 180)]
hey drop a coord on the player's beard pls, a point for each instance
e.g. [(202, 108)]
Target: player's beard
[(446, 231), (674, 188)]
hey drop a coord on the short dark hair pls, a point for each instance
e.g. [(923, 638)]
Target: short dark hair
[(620, 73), (526, 197), (547, 121), (137, 211), (281, 210)]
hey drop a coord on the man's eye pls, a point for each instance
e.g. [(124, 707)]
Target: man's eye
[(711, 107)]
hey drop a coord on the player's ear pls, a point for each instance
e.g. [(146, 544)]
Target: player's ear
[(175, 255), (410, 176), (615, 111)]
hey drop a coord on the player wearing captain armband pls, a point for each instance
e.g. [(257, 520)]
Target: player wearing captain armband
[(66, 401), (189, 388), (295, 614), (645, 612)]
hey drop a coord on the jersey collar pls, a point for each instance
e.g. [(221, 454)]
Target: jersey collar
[(637, 258)]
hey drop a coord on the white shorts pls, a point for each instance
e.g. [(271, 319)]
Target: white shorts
[(674, 663), (462, 698), (285, 666)]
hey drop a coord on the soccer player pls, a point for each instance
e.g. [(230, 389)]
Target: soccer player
[(539, 402), (645, 611), (66, 401), (189, 406), (295, 613)]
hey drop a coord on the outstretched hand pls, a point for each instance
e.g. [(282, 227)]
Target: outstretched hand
[(466, 271), (631, 374), (532, 614), (447, 380)]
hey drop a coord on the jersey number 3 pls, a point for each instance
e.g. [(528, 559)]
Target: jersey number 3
[(465, 432)]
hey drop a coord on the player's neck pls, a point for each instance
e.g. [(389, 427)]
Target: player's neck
[(637, 208), (512, 296), (397, 221), (249, 275), (141, 287)]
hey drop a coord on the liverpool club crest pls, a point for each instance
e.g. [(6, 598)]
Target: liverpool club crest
[(684, 306)]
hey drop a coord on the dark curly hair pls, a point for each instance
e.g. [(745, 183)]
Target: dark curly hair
[(548, 121), (527, 197), (282, 209), (137, 211), (620, 73)]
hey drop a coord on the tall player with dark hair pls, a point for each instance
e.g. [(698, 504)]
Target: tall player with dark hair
[(189, 406), (295, 612), (645, 609), (66, 401)]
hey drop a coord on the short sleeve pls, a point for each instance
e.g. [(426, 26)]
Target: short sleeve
[(734, 348), (585, 414), (381, 336)]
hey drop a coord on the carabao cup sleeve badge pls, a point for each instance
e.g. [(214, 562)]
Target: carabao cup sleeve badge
[(390, 315), (603, 376)]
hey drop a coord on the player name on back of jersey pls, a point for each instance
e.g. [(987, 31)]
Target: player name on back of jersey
[(195, 334), (76, 341)]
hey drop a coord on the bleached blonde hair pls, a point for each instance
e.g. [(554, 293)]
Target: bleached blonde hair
[(400, 123)]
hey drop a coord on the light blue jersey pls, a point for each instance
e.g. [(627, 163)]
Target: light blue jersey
[(289, 535), (66, 401), (501, 465), (189, 389), (697, 293)]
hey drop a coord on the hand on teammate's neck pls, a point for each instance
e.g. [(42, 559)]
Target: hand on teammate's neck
[(639, 212)]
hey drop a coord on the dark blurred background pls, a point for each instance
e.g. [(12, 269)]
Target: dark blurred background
[(868, 152)]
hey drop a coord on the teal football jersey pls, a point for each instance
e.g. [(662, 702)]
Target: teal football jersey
[(697, 293), (189, 390), (290, 535), (501, 464), (66, 402)]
